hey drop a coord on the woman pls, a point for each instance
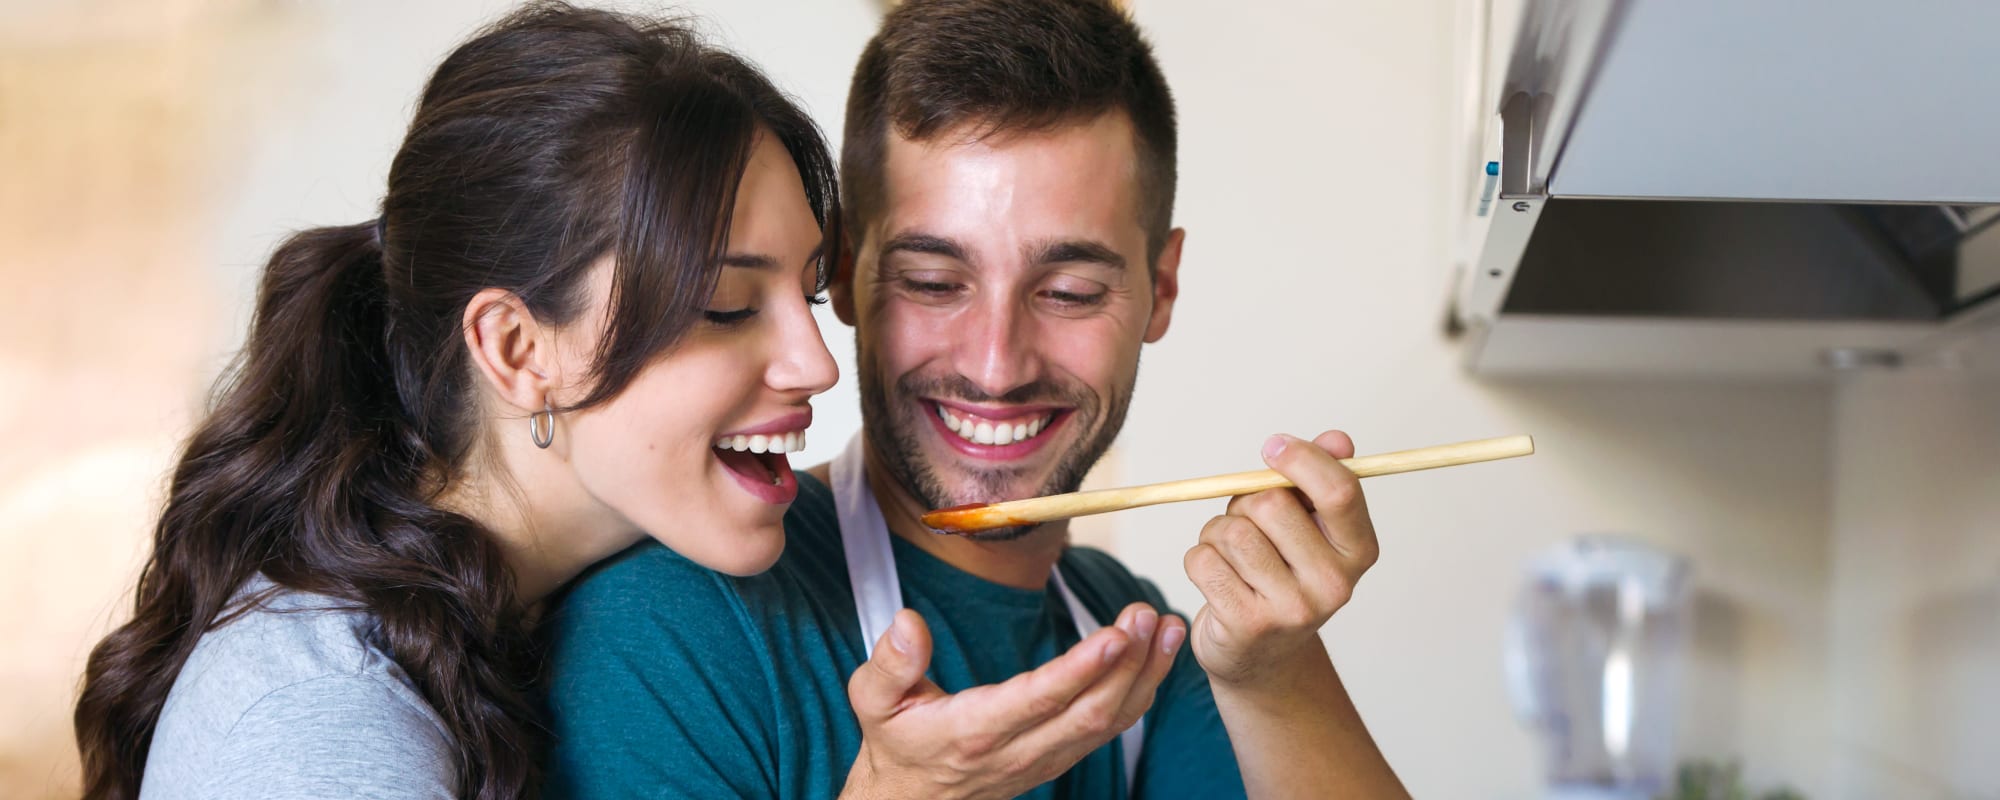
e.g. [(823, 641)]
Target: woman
[(582, 318)]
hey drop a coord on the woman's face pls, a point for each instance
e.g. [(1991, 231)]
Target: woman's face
[(692, 452)]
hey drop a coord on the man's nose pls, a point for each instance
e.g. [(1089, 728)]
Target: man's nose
[(996, 348)]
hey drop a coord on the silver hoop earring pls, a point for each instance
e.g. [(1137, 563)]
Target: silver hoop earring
[(543, 434)]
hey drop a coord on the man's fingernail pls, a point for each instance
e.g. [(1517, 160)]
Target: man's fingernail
[(898, 638), (1171, 640), (1274, 445), (1145, 624), (1113, 650)]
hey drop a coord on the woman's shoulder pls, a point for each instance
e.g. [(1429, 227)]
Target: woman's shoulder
[(272, 637), (280, 687)]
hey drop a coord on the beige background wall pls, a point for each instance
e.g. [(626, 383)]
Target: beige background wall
[(114, 137), (1916, 605), (152, 162)]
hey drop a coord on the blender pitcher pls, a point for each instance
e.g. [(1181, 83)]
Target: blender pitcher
[(1594, 654)]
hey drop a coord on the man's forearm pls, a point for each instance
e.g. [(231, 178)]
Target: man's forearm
[(1296, 734)]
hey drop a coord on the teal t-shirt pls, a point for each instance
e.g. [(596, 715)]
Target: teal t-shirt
[(668, 680)]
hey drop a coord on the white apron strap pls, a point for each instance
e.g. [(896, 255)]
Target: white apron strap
[(1134, 737), (871, 564)]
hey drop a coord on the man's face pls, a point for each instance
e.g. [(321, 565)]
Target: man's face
[(1001, 295)]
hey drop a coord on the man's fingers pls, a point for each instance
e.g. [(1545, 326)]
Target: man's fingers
[(1160, 654), (1332, 491), (1100, 712), (1318, 474), (1315, 567), (1336, 443), (1025, 700), (1215, 578), (894, 674), (1250, 552)]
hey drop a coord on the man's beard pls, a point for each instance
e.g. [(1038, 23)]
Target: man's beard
[(894, 430)]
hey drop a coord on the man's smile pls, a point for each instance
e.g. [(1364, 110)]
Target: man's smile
[(1000, 434)]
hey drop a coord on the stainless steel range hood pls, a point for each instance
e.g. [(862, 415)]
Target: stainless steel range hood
[(1735, 187)]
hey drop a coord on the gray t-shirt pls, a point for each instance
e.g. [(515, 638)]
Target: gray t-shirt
[(297, 699)]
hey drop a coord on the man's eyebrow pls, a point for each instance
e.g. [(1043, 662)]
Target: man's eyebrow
[(923, 243), (1074, 251)]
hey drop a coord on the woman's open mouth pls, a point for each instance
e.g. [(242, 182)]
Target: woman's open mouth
[(759, 465)]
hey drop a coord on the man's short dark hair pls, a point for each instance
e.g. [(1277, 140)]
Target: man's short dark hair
[(1007, 66)]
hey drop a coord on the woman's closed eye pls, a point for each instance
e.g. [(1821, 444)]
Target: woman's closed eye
[(729, 318)]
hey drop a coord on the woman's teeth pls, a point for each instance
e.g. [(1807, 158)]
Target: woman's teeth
[(979, 430), (761, 443)]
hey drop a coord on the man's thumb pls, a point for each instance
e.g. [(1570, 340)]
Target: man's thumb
[(879, 687)]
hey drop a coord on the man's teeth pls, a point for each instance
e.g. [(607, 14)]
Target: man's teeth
[(979, 430), (760, 443)]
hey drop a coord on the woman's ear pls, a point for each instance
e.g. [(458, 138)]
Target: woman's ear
[(513, 351)]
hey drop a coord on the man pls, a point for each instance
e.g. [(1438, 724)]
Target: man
[(1009, 166)]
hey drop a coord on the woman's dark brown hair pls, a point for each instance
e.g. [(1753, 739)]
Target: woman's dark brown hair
[(553, 138)]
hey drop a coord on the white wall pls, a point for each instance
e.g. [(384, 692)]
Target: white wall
[(1916, 603)]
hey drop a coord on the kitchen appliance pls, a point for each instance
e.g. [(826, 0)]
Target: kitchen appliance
[(1765, 191), (1594, 655)]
